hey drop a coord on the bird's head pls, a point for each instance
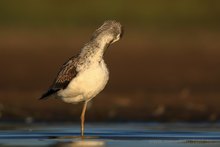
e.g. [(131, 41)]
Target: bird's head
[(109, 32)]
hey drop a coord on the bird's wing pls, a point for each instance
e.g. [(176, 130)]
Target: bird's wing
[(66, 74)]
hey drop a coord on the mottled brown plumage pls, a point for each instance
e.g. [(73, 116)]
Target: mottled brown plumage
[(65, 75)]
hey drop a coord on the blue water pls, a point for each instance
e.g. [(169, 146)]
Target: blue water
[(115, 134)]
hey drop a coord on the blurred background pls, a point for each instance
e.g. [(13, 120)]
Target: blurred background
[(166, 67)]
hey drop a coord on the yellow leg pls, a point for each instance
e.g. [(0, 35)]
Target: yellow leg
[(83, 118)]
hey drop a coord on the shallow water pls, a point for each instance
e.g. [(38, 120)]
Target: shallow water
[(116, 134)]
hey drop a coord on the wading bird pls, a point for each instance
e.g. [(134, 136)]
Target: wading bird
[(83, 76)]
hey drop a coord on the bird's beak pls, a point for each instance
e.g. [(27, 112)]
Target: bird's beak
[(122, 32)]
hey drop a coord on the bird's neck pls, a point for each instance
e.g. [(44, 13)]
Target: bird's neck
[(94, 50)]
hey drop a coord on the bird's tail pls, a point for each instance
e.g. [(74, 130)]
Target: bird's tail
[(48, 93)]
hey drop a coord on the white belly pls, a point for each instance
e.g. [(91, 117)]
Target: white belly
[(87, 84)]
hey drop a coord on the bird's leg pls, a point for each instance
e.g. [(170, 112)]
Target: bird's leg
[(83, 118)]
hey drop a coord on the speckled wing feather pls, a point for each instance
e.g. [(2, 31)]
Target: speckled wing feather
[(66, 74)]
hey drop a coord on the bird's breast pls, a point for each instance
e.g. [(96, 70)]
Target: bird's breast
[(89, 82)]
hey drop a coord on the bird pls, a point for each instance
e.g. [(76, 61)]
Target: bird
[(86, 74)]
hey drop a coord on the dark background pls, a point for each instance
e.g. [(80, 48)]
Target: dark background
[(166, 68)]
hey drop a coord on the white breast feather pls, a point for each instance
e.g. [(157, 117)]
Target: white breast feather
[(87, 84)]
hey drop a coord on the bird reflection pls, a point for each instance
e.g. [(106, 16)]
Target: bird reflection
[(81, 143)]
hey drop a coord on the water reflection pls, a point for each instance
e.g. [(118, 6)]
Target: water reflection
[(112, 135), (82, 143)]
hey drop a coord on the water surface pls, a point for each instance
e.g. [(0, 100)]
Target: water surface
[(111, 134)]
